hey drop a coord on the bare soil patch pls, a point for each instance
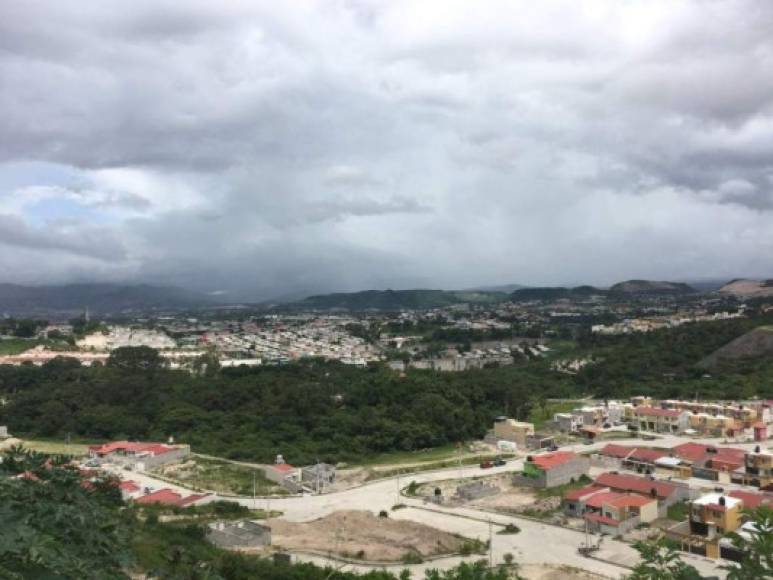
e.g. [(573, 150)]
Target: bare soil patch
[(549, 572), (365, 536)]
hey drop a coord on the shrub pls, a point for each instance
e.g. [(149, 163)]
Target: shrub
[(412, 558), (509, 529)]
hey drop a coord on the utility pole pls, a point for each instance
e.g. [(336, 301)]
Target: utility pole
[(254, 485), (490, 545)]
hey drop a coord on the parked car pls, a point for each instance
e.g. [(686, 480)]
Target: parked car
[(499, 462), (486, 464)]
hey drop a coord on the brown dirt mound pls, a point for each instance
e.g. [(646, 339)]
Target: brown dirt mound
[(365, 536)]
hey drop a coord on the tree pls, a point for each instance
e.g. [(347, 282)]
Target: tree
[(54, 527), (135, 358), (477, 571), (756, 545), (660, 561), (26, 328)]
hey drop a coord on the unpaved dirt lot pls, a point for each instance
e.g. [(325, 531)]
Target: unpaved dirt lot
[(510, 499), (364, 535), (546, 572)]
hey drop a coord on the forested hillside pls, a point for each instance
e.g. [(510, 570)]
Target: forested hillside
[(305, 411)]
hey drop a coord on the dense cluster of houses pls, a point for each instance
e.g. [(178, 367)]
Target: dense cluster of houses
[(738, 420), (616, 503)]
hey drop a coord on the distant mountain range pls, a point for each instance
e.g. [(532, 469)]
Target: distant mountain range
[(98, 298), (117, 298), (422, 299)]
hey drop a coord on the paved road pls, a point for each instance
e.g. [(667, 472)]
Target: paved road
[(537, 543)]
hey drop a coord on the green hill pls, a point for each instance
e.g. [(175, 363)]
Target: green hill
[(755, 343), (397, 299), (651, 287), (555, 293)]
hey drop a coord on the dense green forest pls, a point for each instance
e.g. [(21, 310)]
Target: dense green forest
[(313, 409), (305, 411)]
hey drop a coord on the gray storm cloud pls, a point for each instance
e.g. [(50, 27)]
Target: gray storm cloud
[(277, 148)]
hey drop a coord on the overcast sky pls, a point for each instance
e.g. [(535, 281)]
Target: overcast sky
[(264, 148)]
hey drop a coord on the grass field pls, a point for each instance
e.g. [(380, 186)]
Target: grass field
[(12, 346), (221, 476), (679, 511), (398, 457), (58, 447), (540, 416)]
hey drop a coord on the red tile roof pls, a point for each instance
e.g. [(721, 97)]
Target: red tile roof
[(548, 461), (614, 450), (647, 455), (166, 496), (631, 500), (132, 447), (282, 467), (696, 452), (690, 451), (751, 499), (599, 499), (636, 484), (601, 519), (655, 412), (641, 454), (169, 497), (129, 486), (576, 494)]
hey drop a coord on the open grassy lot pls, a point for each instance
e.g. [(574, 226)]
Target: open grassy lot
[(541, 415), (679, 511), (220, 476), (419, 456), (11, 346), (79, 449)]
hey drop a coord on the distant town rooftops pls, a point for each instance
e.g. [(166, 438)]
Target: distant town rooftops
[(655, 412)]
